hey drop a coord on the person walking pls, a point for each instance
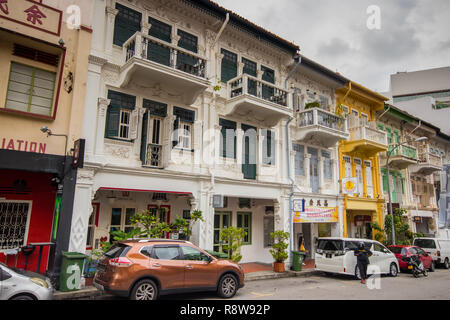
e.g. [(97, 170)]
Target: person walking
[(303, 249), (362, 260)]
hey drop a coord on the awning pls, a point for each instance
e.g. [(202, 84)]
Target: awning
[(422, 213)]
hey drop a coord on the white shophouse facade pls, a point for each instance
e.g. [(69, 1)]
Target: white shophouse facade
[(153, 70)]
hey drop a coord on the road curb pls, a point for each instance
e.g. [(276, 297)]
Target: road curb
[(264, 275), (86, 292)]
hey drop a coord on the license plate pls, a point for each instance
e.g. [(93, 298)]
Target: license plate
[(329, 255)]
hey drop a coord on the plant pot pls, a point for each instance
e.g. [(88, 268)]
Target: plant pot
[(88, 281), (278, 266)]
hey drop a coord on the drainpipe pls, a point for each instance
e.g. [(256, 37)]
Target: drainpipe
[(227, 18), (288, 156)]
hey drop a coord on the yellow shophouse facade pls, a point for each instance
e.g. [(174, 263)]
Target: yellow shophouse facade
[(359, 160)]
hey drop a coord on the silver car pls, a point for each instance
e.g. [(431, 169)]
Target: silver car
[(18, 284)]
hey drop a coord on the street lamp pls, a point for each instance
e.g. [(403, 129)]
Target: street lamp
[(50, 133), (389, 185)]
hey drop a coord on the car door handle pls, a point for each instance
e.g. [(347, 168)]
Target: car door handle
[(189, 267), (156, 265)]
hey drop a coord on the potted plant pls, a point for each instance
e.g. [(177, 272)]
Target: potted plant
[(310, 105), (279, 249), (233, 238)]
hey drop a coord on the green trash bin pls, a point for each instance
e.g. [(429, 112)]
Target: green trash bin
[(297, 260), (71, 271)]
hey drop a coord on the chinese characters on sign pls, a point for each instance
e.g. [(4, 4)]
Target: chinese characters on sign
[(4, 6), (33, 14)]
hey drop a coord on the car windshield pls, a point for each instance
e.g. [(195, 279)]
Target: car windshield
[(398, 250), (425, 243), (333, 245)]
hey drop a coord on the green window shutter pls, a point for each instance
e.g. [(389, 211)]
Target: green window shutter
[(389, 135), (188, 41), (380, 126), (118, 101), (249, 67), (156, 108), (229, 65), (249, 151), (144, 137), (268, 147), (155, 51), (396, 136), (160, 30), (185, 115), (112, 121), (268, 74), (228, 139), (127, 23), (176, 125)]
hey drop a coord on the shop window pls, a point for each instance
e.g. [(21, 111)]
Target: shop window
[(14, 220), (229, 65), (30, 89), (244, 222), (127, 23), (227, 138), (119, 120), (121, 219), (324, 230)]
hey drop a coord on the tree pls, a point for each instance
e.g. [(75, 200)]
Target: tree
[(233, 237), (280, 245), (403, 235), (152, 226)]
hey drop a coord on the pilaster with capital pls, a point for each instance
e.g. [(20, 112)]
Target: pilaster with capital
[(102, 105), (111, 14)]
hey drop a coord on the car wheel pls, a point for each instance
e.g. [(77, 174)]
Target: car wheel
[(432, 266), (145, 290), (357, 273), (446, 263), (22, 297), (393, 271), (228, 286)]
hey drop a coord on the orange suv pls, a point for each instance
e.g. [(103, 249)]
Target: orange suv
[(145, 269)]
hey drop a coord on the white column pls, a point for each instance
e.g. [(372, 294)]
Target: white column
[(101, 123), (82, 208)]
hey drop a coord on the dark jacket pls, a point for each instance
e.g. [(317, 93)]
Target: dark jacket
[(362, 255)]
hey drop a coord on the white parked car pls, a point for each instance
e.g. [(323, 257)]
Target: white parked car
[(23, 285), (336, 255), (439, 249)]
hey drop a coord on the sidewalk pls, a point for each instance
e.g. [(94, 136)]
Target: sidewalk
[(252, 272)]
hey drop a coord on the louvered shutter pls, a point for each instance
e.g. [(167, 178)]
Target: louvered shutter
[(228, 138), (228, 66), (176, 125), (112, 121), (144, 137), (127, 23), (157, 52), (268, 151)]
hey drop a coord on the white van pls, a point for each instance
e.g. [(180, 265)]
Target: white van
[(336, 255), (439, 249)]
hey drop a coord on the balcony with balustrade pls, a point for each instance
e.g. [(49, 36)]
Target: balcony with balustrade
[(155, 64), (401, 157), (248, 96), (428, 161), (367, 139), (320, 126)]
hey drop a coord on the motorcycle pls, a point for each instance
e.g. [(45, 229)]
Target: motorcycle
[(415, 265)]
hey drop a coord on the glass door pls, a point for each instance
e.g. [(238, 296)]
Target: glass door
[(222, 220), (314, 169)]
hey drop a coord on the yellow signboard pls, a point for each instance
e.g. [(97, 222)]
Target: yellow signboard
[(317, 215), (33, 14)]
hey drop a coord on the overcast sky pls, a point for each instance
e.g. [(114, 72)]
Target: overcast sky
[(414, 34)]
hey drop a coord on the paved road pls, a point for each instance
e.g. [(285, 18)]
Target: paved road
[(337, 287)]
